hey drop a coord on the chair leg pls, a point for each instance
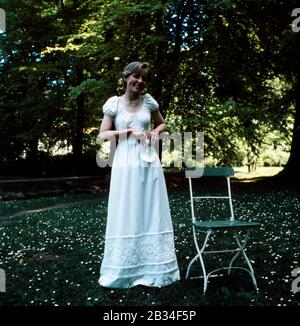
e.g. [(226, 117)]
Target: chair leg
[(242, 250), (200, 251), (190, 265), (205, 276)]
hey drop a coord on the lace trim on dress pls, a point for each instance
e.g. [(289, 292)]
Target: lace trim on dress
[(145, 264), (149, 249), (138, 235)]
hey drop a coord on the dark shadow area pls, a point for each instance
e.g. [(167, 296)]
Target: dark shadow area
[(56, 166), (25, 187)]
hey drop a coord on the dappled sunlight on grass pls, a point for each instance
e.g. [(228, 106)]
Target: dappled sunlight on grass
[(53, 257), (260, 172)]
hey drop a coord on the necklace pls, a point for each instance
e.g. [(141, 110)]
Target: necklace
[(129, 103)]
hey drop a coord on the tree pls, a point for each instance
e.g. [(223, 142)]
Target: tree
[(24, 79), (222, 67)]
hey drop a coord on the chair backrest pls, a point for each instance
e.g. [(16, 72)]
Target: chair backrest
[(225, 172)]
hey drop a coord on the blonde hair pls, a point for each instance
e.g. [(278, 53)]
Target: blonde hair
[(135, 67)]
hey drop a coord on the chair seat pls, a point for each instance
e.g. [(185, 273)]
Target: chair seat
[(225, 224)]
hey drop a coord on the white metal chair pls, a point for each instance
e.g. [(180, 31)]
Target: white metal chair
[(239, 229)]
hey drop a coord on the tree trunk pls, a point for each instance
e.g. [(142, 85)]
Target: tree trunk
[(78, 138), (79, 121), (291, 170), (175, 55), (32, 153), (158, 83)]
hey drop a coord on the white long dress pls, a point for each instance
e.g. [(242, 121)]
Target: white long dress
[(139, 240)]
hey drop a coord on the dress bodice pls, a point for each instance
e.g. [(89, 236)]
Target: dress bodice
[(124, 119)]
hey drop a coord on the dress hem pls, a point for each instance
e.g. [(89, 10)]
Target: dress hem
[(115, 284)]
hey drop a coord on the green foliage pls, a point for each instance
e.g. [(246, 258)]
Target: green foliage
[(227, 68), (89, 86)]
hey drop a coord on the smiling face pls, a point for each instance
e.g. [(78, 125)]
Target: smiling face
[(135, 77), (135, 83)]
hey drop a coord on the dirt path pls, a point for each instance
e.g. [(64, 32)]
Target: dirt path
[(22, 180), (25, 188), (50, 207)]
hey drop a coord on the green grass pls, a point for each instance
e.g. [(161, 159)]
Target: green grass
[(70, 242), (261, 171)]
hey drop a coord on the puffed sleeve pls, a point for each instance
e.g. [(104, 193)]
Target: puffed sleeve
[(110, 106), (150, 103)]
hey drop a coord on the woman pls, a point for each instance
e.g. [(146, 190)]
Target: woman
[(139, 241)]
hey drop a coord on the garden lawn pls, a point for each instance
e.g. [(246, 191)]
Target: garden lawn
[(53, 256)]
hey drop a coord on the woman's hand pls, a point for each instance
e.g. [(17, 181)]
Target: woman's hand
[(153, 136), (141, 135)]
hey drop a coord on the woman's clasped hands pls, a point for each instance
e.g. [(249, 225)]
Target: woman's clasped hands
[(145, 136)]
